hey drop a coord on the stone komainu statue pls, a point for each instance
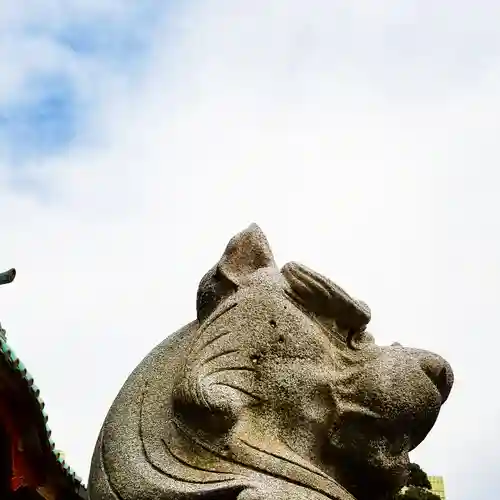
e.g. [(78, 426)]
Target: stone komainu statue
[(276, 391)]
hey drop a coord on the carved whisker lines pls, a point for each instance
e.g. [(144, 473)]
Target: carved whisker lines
[(206, 448), (175, 477), (211, 341), (193, 439), (231, 369), (191, 466), (156, 468), (206, 324), (143, 445), (292, 462), (219, 355), (237, 388), (216, 316)]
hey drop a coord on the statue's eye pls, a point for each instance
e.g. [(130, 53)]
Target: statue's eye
[(356, 339)]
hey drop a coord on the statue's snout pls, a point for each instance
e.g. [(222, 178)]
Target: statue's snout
[(435, 367), (438, 370)]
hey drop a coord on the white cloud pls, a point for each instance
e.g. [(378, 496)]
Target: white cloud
[(369, 164)]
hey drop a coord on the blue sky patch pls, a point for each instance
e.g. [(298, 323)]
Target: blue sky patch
[(103, 40), (43, 119), (49, 111), (117, 40)]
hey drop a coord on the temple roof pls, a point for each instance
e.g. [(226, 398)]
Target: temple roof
[(30, 465)]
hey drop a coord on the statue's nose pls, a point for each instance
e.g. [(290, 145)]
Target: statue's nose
[(435, 367), (439, 371)]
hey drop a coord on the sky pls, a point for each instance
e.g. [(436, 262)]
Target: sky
[(137, 137)]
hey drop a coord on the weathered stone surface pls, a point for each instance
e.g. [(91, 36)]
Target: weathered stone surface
[(275, 392)]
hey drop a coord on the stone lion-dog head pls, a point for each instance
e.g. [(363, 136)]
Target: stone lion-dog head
[(276, 391)]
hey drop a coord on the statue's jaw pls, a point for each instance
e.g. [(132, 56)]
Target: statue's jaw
[(368, 480)]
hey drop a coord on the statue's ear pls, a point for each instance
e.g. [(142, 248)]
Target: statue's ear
[(245, 253)]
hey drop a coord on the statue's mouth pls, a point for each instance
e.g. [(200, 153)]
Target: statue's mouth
[(420, 432), (405, 435), (418, 428)]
